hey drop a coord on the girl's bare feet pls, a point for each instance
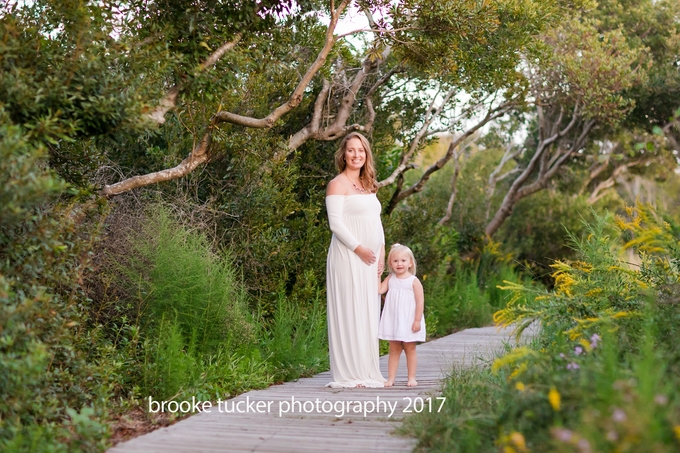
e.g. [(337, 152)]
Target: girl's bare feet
[(389, 383), (411, 383), (359, 386)]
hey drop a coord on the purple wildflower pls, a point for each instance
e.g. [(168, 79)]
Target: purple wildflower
[(578, 350), (573, 366), (618, 415), (594, 340), (661, 399), (583, 446), (562, 434)]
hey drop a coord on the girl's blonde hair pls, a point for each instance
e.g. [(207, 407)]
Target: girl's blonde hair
[(367, 173), (398, 248)]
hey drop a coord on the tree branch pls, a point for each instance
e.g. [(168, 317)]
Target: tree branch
[(431, 114), (339, 126), (513, 195), (164, 106), (491, 115), (169, 101), (494, 178), (198, 156), (595, 195), (298, 93), (454, 188), (219, 53)]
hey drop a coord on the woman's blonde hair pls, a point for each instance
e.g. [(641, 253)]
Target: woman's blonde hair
[(398, 248), (367, 173)]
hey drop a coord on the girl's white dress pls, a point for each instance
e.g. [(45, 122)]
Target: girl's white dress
[(399, 312), (352, 291)]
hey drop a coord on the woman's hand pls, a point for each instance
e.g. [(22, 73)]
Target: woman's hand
[(381, 261), (366, 255)]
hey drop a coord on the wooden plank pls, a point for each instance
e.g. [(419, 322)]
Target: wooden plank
[(307, 429)]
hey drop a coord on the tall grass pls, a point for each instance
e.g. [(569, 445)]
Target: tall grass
[(297, 339), (193, 312), (462, 301), (194, 334)]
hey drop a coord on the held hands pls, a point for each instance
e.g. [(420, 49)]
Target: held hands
[(366, 255), (416, 326)]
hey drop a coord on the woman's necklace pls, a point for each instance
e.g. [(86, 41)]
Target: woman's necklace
[(361, 191)]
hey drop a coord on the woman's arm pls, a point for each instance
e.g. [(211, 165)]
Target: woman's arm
[(382, 288), (381, 261), (420, 304), (334, 208)]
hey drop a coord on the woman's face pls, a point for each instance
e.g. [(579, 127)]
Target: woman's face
[(355, 154)]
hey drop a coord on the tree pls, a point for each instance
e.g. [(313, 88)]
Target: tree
[(590, 90)]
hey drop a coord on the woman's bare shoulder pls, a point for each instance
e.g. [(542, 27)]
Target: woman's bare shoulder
[(336, 187)]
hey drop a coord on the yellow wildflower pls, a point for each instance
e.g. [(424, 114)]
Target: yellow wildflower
[(520, 386), (583, 266), (593, 292), (513, 356), (585, 344), (519, 370), (517, 438), (676, 430), (574, 334), (554, 398)]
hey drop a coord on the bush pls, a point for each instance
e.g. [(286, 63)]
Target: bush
[(45, 373), (603, 374)]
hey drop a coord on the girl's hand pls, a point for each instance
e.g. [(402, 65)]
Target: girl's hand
[(416, 326), (366, 255)]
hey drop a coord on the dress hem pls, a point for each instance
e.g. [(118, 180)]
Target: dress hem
[(399, 339), (354, 384)]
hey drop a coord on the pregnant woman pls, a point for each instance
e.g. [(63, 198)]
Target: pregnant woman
[(356, 258)]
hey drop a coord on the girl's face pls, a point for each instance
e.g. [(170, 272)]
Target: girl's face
[(400, 263), (355, 154)]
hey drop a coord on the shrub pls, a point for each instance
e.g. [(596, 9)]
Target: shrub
[(602, 375)]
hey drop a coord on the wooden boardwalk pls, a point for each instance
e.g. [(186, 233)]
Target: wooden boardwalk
[(305, 416)]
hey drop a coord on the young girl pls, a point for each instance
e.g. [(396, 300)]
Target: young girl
[(402, 322)]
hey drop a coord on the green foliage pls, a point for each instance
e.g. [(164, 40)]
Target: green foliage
[(43, 370), (187, 329), (653, 25), (465, 302), (227, 295), (597, 67), (61, 74), (189, 304), (535, 232), (297, 339), (603, 373)]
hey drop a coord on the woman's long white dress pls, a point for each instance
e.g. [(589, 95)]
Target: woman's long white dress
[(352, 291)]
